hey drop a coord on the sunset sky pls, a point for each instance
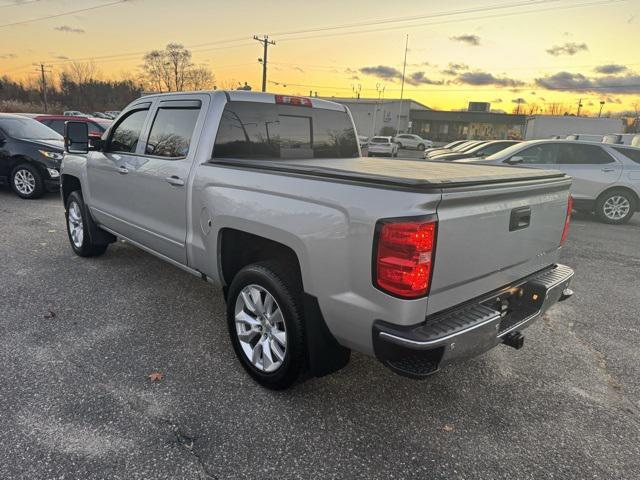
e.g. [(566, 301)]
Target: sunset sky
[(482, 50)]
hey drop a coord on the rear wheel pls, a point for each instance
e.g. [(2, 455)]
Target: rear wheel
[(78, 224), (264, 316), (616, 206), (27, 182)]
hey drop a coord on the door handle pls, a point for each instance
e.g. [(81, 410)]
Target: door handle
[(608, 169), (123, 170), (174, 180)]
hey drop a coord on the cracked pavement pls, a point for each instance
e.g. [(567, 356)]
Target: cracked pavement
[(75, 401)]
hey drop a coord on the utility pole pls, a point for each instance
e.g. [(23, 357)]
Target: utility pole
[(380, 89), (579, 107), (404, 69), (601, 107), (43, 81), (265, 42)]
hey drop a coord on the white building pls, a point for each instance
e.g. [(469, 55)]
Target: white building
[(374, 117)]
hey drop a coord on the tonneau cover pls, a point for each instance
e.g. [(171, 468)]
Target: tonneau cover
[(414, 174)]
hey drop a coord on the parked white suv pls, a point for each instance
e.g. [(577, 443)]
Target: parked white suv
[(408, 140), (384, 146), (606, 177)]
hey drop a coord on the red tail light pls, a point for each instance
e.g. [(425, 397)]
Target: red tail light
[(404, 257), (297, 101), (565, 232)]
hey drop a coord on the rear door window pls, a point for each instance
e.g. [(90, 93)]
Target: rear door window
[(171, 132), (126, 135), (577, 154), (252, 130)]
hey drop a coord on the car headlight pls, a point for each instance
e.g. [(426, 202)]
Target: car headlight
[(54, 155), (53, 173)]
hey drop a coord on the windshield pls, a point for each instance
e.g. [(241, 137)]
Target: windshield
[(453, 144), (380, 140), (507, 152), (27, 128)]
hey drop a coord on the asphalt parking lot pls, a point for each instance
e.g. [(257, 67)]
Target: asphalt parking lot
[(78, 338)]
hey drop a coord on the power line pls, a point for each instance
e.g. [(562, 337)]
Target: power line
[(19, 4), (444, 22), (368, 23), (71, 12)]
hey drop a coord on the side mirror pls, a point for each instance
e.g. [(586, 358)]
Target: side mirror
[(515, 160), (76, 137)]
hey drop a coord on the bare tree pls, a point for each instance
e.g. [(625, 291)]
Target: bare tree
[(171, 70), (200, 78)]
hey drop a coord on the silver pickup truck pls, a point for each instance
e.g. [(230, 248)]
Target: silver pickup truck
[(319, 251)]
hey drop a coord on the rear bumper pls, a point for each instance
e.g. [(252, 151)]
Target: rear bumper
[(471, 328)]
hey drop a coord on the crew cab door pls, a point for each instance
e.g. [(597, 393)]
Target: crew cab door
[(108, 168), (153, 183)]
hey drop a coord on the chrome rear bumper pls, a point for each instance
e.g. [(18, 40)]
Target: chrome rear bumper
[(471, 328)]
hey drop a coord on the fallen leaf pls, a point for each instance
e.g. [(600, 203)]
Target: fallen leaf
[(448, 427), (156, 376), (51, 231), (50, 314)]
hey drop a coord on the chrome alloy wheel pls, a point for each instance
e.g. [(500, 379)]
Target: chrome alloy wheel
[(24, 181), (76, 230), (260, 328), (616, 207)]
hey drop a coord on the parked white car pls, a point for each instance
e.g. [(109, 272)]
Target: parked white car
[(408, 140), (363, 141), (606, 178), (74, 113), (383, 146)]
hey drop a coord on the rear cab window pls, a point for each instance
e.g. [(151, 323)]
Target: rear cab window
[(269, 131)]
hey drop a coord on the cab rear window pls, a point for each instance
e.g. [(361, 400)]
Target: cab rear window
[(251, 130)]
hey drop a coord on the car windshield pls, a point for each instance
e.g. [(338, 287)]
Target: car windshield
[(379, 140), (27, 128), (453, 144), (507, 152)]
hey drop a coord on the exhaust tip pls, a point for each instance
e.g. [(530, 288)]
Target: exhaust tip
[(514, 340)]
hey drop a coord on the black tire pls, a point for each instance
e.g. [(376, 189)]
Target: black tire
[(285, 287), (22, 187), (87, 247), (400, 145), (603, 205), (421, 147)]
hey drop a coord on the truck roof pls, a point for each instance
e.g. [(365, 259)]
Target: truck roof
[(259, 97)]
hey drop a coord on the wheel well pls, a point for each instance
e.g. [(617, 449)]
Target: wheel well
[(625, 189), (69, 184), (239, 249)]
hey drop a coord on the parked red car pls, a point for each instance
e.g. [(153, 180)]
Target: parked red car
[(97, 126)]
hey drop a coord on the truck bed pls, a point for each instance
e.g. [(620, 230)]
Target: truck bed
[(409, 174)]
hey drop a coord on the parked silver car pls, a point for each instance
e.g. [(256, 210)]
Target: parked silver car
[(606, 177)]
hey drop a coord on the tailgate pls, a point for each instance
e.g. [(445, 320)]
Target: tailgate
[(485, 241)]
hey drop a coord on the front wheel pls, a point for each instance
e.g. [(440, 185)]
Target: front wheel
[(78, 224), (264, 316), (421, 147), (616, 206), (27, 182)]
